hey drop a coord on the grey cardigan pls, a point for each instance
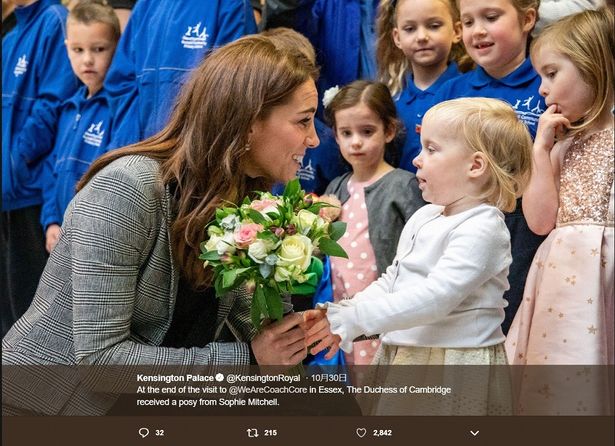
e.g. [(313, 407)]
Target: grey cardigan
[(390, 201), (106, 298)]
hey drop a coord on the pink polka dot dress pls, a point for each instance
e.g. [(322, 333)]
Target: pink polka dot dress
[(349, 276)]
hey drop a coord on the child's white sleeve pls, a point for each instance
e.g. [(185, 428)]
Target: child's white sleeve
[(341, 315)]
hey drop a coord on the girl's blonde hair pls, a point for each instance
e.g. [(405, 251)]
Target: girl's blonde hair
[(587, 39), (393, 66), (522, 7), (491, 127)]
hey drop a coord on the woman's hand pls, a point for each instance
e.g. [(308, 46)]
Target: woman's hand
[(319, 333), (281, 343), (552, 125)]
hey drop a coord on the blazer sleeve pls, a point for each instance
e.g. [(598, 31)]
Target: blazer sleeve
[(112, 227), (239, 317)]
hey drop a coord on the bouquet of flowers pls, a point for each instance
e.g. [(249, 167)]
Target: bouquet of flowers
[(270, 245)]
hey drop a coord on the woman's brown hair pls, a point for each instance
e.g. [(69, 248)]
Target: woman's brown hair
[(202, 149)]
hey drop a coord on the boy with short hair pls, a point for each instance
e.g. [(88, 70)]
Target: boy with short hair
[(84, 127)]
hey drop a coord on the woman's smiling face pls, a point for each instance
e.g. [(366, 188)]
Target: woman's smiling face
[(278, 142)]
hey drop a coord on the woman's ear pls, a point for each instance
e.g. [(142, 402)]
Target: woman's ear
[(478, 166)]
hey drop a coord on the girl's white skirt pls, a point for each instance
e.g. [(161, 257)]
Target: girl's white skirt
[(478, 379)]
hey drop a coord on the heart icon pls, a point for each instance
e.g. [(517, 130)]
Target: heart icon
[(361, 432)]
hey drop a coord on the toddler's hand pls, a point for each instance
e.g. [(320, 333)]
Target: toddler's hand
[(551, 126), (318, 332)]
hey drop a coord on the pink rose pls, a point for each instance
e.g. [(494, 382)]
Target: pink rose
[(246, 234), (330, 213), (265, 205)]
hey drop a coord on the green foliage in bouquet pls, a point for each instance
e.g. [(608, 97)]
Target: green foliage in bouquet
[(271, 246)]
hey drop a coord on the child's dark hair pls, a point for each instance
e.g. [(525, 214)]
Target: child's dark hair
[(96, 11), (377, 97)]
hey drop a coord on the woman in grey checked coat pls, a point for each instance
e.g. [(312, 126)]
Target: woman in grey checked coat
[(131, 236)]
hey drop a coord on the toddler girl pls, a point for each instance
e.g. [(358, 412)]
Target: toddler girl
[(440, 302)]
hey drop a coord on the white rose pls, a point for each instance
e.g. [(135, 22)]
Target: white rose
[(282, 274), (259, 249), (295, 250), (226, 243), (304, 220), (212, 243), (230, 222), (291, 272)]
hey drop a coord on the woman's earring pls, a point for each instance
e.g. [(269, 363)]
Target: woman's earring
[(247, 147)]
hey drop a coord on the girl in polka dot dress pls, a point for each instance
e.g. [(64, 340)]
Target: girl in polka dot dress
[(441, 301), (377, 199)]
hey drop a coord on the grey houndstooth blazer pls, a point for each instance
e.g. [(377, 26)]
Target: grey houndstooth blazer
[(107, 295)]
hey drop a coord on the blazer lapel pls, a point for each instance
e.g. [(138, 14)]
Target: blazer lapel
[(168, 214)]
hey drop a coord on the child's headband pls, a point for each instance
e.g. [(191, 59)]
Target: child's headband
[(329, 94)]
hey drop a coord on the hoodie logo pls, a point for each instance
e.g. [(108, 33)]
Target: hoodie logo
[(21, 67), (527, 112), (194, 37), (94, 135), (306, 173)]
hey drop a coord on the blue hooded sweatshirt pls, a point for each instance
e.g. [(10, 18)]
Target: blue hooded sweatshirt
[(411, 106), (519, 89), (338, 33), (36, 78), (83, 134), (160, 46)]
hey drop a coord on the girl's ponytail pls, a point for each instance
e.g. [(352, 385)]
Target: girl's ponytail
[(392, 64)]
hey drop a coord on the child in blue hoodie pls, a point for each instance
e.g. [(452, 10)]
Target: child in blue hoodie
[(419, 47), (92, 33), (36, 78), (162, 43)]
